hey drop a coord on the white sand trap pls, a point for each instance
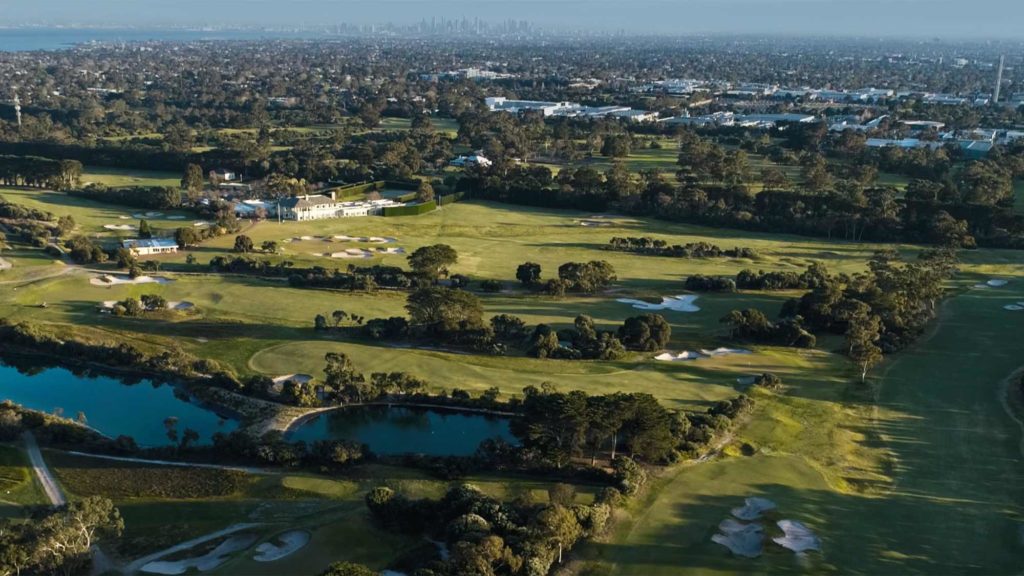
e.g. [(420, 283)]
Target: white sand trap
[(125, 217), (290, 542), (980, 286), (154, 214), (204, 563), (125, 227), (300, 378), (594, 223), (681, 303), (1013, 307), (753, 507), (684, 356), (996, 283), (724, 352), (391, 250), (305, 237), (113, 279), (741, 539), (370, 239), (353, 253), (5, 264), (176, 217), (798, 537), (181, 306), (200, 223), (202, 340)]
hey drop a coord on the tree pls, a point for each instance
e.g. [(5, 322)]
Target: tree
[(339, 316), (647, 332), (445, 309), (63, 539), (424, 192), (587, 277), (269, 246), (529, 274), (861, 337), (145, 231), (186, 237), (193, 181), (558, 525), (243, 244), (433, 261), (347, 569)]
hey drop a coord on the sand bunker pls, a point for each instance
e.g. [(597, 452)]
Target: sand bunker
[(125, 217), (724, 352), (202, 340), (996, 283), (683, 356), (180, 306), (290, 542), (681, 303), (687, 355), (594, 223), (204, 563), (5, 264), (753, 507), (741, 539), (798, 537), (368, 239), (124, 227), (352, 253), (113, 279), (1013, 307), (200, 223), (391, 250), (300, 378)]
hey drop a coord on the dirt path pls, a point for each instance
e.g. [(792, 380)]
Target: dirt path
[(46, 479), (246, 469), (134, 566)]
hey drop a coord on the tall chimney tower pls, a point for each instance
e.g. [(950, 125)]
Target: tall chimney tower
[(17, 108), (999, 80)]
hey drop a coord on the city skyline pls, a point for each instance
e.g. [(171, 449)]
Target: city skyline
[(900, 18)]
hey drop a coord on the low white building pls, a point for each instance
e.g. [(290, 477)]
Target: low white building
[(320, 207), (471, 160), (150, 246)]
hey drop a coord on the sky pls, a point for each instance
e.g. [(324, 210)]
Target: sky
[(907, 18)]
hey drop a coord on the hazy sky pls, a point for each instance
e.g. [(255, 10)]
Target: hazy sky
[(927, 18)]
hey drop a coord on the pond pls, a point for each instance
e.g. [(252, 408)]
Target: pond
[(110, 405), (390, 430)]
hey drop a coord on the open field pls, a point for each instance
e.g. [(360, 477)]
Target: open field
[(91, 216), (950, 453), (913, 484), (119, 177)]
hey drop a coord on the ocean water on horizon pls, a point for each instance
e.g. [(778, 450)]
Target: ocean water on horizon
[(30, 39)]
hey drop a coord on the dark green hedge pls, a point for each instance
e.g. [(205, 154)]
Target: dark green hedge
[(410, 209)]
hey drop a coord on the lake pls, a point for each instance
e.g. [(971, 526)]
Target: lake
[(110, 405), (138, 408), (390, 430)]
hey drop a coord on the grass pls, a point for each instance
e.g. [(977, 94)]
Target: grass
[(18, 485), (90, 216), (921, 482), (938, 494), (119, 177), (158, 515)]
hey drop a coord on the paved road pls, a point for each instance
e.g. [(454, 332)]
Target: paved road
[(49, 483), (246, 469)]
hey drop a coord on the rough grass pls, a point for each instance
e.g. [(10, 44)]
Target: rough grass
[(18, 485), (83, 477)]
